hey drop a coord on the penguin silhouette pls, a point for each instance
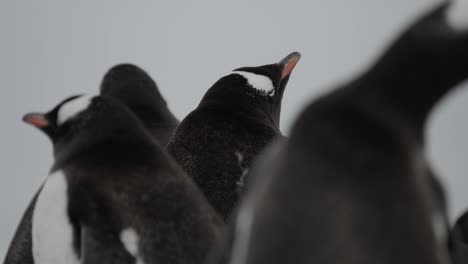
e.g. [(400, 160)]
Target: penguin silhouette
[(114, 195), (238, 116), (137, 90), (352, 184)]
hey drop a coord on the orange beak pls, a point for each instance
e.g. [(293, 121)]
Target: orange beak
[(288, 63), (35, 119)]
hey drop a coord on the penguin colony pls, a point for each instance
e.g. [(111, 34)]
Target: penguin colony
[(132, 184)]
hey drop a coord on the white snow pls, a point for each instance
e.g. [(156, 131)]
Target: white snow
[(258, 82), (52, 233), (72, 108)]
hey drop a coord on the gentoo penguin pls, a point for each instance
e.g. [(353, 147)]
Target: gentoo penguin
[(238, 116), (352, 184), (459, 240), (114, 195), (135, 88)]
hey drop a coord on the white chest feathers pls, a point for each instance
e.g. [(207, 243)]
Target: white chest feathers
[(52, 233), (130, 240)]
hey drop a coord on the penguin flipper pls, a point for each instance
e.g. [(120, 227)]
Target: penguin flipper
[(99, 242), (101, 247), (20, 250)]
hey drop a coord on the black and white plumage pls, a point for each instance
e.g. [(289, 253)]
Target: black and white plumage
[(137, 90), (353, 185), (238, 116), (114, 195)]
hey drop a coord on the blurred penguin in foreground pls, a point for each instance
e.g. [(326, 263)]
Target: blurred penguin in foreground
[(460, 240), (353, 184)]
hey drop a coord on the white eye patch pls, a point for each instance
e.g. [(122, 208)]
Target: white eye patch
[(72, 108), (258, 81)]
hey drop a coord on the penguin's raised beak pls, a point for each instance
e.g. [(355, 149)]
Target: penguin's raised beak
[(288, 64), (36, 119)]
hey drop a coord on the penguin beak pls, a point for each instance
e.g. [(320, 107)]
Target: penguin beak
[(288, 64), (35, 119)]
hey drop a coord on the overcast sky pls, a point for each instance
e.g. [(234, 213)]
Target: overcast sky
[(52, 49)]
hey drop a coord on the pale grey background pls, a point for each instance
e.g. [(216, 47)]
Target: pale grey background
[(53, 49)]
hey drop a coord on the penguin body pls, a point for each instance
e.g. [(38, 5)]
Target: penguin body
[(352, 184), (134, 88), (114, 195), (238, 116), (234, 243), (137, 90)]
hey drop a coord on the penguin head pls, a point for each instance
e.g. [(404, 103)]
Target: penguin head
[(83, 120), (132, 86), (64, 119), (427, 60), (268, 80), (431, 55), (258, 90)]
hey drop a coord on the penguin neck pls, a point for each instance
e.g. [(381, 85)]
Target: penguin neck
[(160, 124), (409, 93), (155, 117), (415, 72), (249, 111), (147, 103), (126, 137)]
